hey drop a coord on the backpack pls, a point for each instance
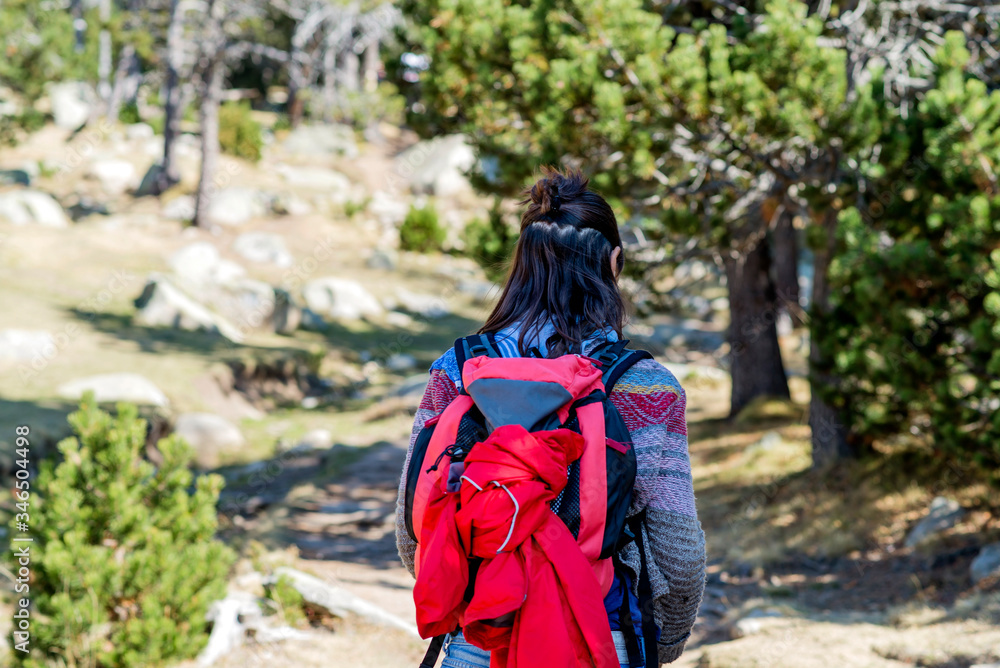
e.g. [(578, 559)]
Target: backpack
[(539, 394)]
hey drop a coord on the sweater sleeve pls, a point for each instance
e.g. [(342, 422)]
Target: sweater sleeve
[(653, 405), (441, 390)]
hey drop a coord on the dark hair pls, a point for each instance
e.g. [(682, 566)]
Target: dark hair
[(561, 270)]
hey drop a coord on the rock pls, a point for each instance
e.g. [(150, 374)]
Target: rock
[(317, 439), (263, 247), (412, 387), (197, 261), (115, 176), (209, 435), (752, 623), (986, 564), (315, 178), (290, 204), (26, 344), (110, 387), (229, 618), (14, 177), (287, 315), (400, 362), (383, 259), (340, 298), (247, 303), (163, 304), (327, 140), (479, 289), (943, 514), (72, 102), (237, 205), (428, 306), (397, 319), (387, 209), (179, 208), (340, 602), (151, 176), (26, 207), (312, 321), (437, 166), (140, 131)]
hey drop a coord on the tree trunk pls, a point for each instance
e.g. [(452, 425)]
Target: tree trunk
[(829, 429), (104, 57), (168, 174), (329, 84), (294, 105), (786, 267), (371, 66), (126, 84), (209, 116), (349, 74), (754, 355)]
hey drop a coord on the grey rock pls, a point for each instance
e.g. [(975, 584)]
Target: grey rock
[(237, 205), (340, 298), (163, 304), (943, 515), (26, 344), (208, 434), (315, 178), (317, 439), (72, 103), (263, 247), (437, 166), (387, 209), (412, 387), (382, 259), (179, 208), (197, 261), (14, 177), (151, 176), (27, 207), (428, 306), (139, 131), (478, 289), (986, 564), (115, 175), (290, 204), (327, 140), (400, 362), (287, 315), (115, 387)]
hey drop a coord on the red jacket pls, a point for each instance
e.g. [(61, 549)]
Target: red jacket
[(537, 602)]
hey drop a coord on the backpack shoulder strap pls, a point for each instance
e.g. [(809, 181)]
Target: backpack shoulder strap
[(476, 345), (616, 359)]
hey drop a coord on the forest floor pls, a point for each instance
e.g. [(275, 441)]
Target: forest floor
[(805, 568)]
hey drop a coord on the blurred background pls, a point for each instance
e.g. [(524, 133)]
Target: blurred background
[(234, 235)]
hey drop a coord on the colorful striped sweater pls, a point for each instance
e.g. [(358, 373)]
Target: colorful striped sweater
[(652, 403)]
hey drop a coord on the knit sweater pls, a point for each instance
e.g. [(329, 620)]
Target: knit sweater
[(652, 403)]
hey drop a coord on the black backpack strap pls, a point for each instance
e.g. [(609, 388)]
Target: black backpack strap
[(476, 345), (626, 623), (431, 657), (645, 592), (615, 360)]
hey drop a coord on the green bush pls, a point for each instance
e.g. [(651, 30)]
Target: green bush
[(490, 243), (124, 564), (239, 133), (421, 231), (129, 114)]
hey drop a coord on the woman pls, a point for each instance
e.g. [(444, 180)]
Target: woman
[(561, 296)]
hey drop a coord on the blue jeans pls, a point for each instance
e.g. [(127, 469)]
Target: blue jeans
[(460, 654)]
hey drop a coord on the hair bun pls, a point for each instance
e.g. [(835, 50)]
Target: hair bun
[(545, 194)]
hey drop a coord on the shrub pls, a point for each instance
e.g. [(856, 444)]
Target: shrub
[(421, 230), (124, 563), (239, 133), (129, 113), (490, 243)]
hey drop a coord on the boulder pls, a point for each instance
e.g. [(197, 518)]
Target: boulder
[(315, 178), (25, 344), (290, 204), (428, 306), (943, 514), (263, 247), (986, 564), (115, 175), (321, 141), (163, 304), (197, 261), (27, 207), (287, 315), (245, 302), (179, 208), (209, 435), (237, 205), (72, 103), (400, 362), (383, 259), (387, 209), (340, 298), (437, 166), (14, 177), (140, 131), (111, 387)]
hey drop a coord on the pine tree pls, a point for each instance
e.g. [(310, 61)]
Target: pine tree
[(124, 560)]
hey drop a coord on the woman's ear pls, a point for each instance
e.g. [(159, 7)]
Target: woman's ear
[(614, 260)]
